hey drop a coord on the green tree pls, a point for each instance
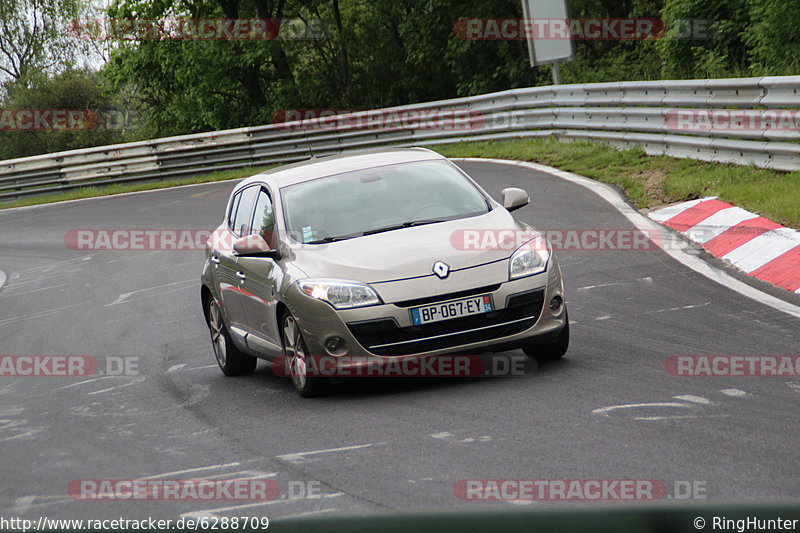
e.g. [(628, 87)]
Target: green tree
[(773, 37), (70, 90), (34, 36), (721, 51)]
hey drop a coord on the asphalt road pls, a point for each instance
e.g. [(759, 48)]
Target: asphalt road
[(379, 444)]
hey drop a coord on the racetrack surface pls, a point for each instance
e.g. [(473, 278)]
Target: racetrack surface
[(378, 444)]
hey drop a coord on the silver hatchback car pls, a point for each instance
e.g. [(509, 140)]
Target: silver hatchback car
[(383, 254)]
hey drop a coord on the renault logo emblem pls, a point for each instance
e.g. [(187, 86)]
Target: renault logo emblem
[(441, 269)]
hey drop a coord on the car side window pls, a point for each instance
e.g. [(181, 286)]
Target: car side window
[(244, 212), (232, 212), (264, 217)]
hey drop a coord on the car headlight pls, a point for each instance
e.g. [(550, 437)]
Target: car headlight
[(340, 294), (530, 258)]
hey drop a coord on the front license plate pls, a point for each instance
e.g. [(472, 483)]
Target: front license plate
[(452, 309)]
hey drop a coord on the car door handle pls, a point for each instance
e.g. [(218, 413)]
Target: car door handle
[(241, 276), (215, 259)]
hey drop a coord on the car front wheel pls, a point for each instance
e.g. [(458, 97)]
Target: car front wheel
[(294, 348), (231, 361)]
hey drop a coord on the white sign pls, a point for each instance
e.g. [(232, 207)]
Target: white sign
[(547, 48)]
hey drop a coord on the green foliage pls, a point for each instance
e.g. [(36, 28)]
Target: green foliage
[(33, 39), (71, 90), (773, 37), (372, 54)]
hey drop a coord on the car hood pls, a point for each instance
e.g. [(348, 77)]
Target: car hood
[(411, 252)]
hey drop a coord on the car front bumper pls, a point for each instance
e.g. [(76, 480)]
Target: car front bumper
[(521, 315)]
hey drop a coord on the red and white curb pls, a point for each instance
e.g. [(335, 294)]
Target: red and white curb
[(757, 246)]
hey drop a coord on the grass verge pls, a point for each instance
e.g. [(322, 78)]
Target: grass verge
[(93, 191), (650, 181)]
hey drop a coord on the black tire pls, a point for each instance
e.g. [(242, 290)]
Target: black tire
[(295, 351), (231, 361), (552, 349)]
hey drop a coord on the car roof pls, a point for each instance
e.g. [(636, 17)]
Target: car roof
[(330, 165)]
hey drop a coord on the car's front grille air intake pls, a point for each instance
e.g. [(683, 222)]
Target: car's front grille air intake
[(385, 337)]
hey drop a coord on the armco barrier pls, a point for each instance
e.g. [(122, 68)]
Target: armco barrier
[(622, 114)]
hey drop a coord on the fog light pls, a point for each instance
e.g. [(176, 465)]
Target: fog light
[(555, 305), (335, 346)]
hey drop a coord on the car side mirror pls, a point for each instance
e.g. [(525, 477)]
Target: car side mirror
[(514, 198), (254, 246)]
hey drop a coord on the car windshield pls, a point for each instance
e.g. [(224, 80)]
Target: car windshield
[(379, 199)]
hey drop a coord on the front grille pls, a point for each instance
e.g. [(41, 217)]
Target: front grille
[(449, 296), (384, 336)]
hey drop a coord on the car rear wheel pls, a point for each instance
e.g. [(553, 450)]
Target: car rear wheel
[(294, 347), (231, 361), (553, 349)]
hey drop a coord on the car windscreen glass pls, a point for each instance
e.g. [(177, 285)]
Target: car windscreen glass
[(379, 199)]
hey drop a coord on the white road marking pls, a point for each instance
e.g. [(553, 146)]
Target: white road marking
[(123, 298), (605, 410), (693, 399), (308, 513), (52, 500), (134, 381), (586, 288), (681, 308), (40, 314), (82, 382), (213, 512), (22, 504), (40, 289), (678, 417), (733, 392), (676, 248), (190, 471), (174, 368), (447, 436), (299, 456), (29, 431), (604, 317), (49, 266), (2, 279), (646, 280), (251, 474), (206, 367)]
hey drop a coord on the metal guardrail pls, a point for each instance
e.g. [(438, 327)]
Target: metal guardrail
[(623, 114)]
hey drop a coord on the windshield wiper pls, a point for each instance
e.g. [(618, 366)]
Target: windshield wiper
[(405, 225), (326, 240)]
